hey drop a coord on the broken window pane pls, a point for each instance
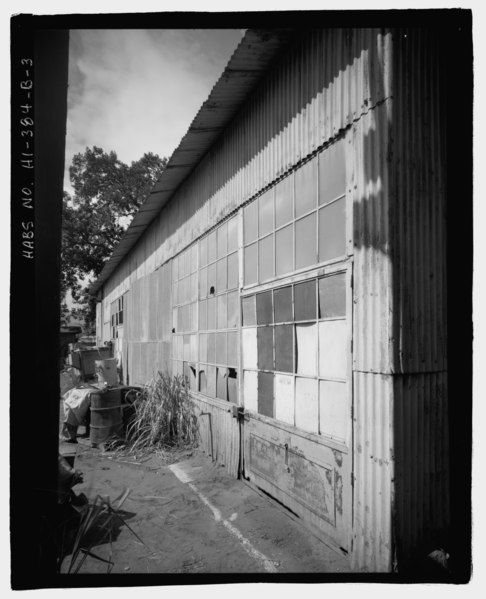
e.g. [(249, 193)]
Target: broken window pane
[(232, 306), (221, 316), (212, 247), (305, 241), (265, 213), (211, 348), (249, 310), (222, 275), (306, 405), (306, 188), (265, 347), (284, 348), (221, 357), (233, 273), (332, 173), (306, 349), (264, 308), (282, 299), (232, 348), (250, 222), (305, 300), (332, 230), (203, 252), (332, 296), (251, 264), (203, 347), (284, 201), (221, 386), (265, 259), (211, 279), (211, 306), (284, 250), (232, 385), (222, 235), (232, 234), (265, 393), (202, 381)]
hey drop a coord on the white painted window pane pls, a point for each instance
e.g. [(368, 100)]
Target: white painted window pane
[(333, 349), (232, 234), (284, 398), (306, 335), (221, 316), (212, 246), (203, 283), (251, 264), (250, 216), (306, 188), (306, 405), (284, 250), (203, 347), (284, 211), (305, 241), (265, 213), (193, 284), (175, 269), (233, 274), (222, 235), (232, 306), (250, 390), (203, 252), (187, 348), (193, 357), (265, 259), (249, 343), (222, 275), (334, 416), (194, 257)]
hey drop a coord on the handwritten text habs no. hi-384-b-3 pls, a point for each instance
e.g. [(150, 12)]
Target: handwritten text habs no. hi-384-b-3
[(27, 157)]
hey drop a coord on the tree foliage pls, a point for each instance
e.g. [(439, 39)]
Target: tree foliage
[(107, 193)]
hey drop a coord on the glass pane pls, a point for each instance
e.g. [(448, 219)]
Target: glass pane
[(175, 269), (332, 230), (305, 241), (282, 299), (264, 308), (332, 296), (305, 300), (284, 348), (284, 249), (306, 188), (211, 279), (306, 349), (265, 393), (221, 317), (333, 409), (251, 264), (233, 273), (194, 264), (306, 405), (187, 347), (211, 381), (211, 319), (332, 173), (333, 349), (203, 252), (233, 348), (203, 347), (248, 305), (232, 382), (265, 259), (232, 234), (222, 235), (284, 398), (250, 390), (193, 286), (212, 347), (265, 347), (232, 306), (221, 383), (265, 213), (249, 347), (283, 201), (222, 282), (221, 348), (212, 246), (203, 282), (250, 222)]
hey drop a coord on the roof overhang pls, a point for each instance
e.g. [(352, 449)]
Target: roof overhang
[(251, 59)]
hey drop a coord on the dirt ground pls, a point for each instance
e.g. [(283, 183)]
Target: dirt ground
[(191, 517)]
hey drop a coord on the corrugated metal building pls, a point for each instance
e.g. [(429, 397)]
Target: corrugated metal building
[(291, 261)]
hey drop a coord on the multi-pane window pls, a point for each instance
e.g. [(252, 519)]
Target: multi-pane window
[(295, 354), (116, 310), (299, 222)]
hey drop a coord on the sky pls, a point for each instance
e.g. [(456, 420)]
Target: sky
[(137, 91)]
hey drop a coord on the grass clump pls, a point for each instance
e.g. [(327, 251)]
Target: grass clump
[(163, 416)]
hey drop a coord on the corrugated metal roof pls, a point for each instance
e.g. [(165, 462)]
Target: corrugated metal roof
[(244, 70)]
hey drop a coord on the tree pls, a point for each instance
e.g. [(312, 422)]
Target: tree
[(107, 193)]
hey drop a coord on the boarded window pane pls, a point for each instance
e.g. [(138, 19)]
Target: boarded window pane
[(306, 405), (264, 308), (251, 264), (284, 248), (221, 357), (265, 259), (306, 188), (333, 410), (211, 278), (284, 398), (283, 201), (332, 173), (333, 349), (332, 296), (305, 241), (305, 300), (265, 393), (249, 310), (212, 348), (232, 234), (250, 222), (203, 347), (265, 213), (211, 305), (282, 299), (233, 273), (265, 347), (250, 390), (332, 231), (203, 252), (221, 317), (284, 348), (212, 246), (306, 350), (211, 381), (221, 384), (249, 346), (232, 306), (203, 283), (232, 382), (222, 283), (221, 236), (232, 348)]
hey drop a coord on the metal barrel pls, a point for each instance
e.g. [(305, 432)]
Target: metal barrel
[(106, 416)]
